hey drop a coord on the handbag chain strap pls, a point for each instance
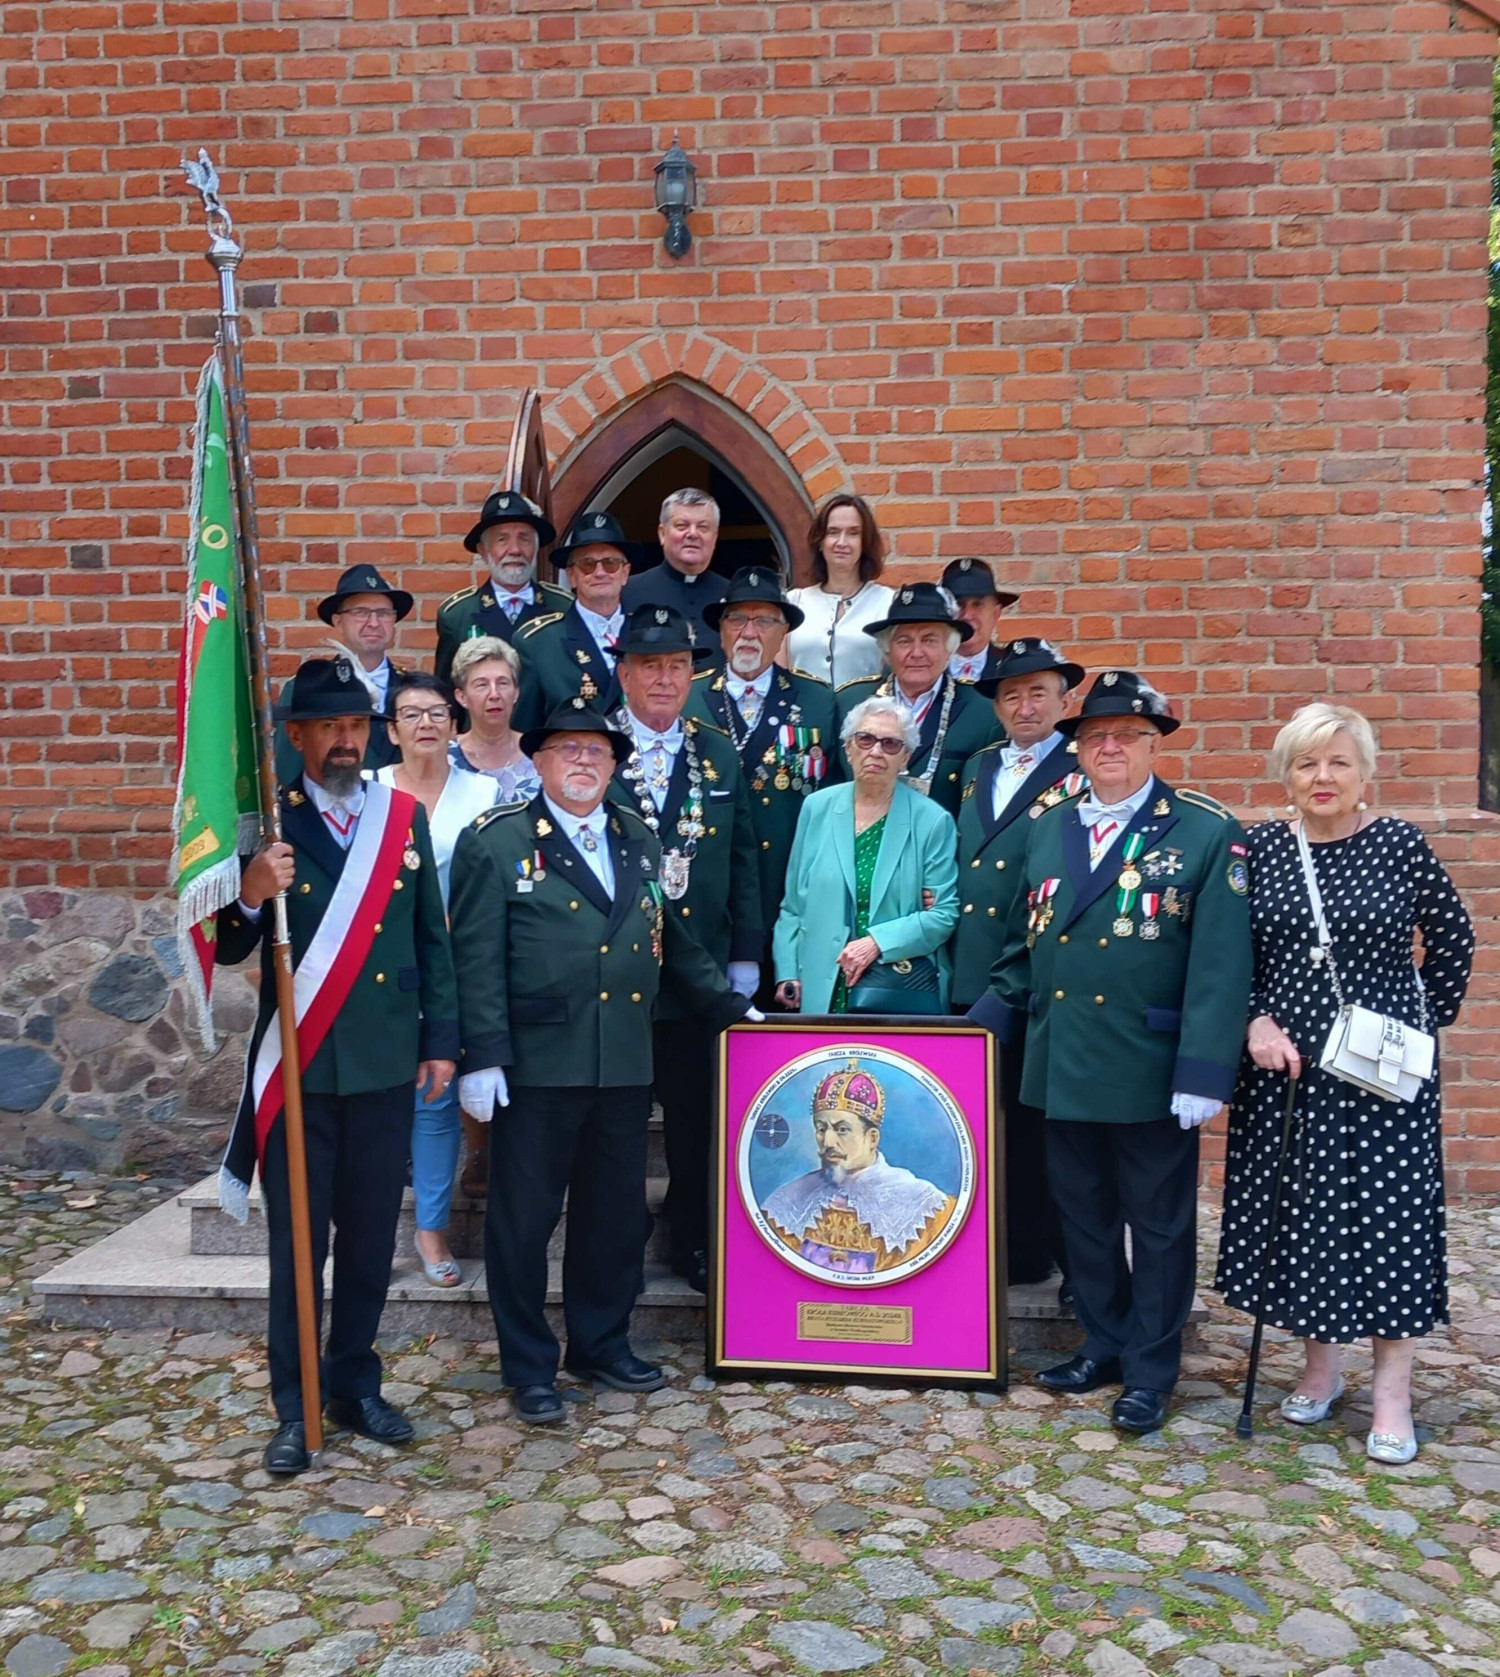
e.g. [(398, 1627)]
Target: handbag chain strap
[(1325, 941)]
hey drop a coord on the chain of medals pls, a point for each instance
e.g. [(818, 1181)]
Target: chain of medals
[(1129, 883), (923, 782), (676, 863)]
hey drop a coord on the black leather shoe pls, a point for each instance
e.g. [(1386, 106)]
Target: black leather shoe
[(287, 1451), (1139, 1409), (541, 1406), (629, 1374), (1080, 1374), (693, 1268), (373, 1417)]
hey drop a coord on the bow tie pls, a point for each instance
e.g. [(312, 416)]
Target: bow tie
[(1093, 814), (658, 742), (1017, 757)]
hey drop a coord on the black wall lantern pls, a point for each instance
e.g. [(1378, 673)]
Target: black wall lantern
[(676, 198)]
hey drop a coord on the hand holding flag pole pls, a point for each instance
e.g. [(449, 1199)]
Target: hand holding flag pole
[(224, 255)]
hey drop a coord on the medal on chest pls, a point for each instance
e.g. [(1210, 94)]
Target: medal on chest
[(1127, 885)]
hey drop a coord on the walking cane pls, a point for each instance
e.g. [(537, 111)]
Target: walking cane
[(224, 255), (1244, 1427)]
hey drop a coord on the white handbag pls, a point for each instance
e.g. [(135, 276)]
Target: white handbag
[(1373, 1051)]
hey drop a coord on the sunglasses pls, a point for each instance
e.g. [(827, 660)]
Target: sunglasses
[(609, 565), (892, 747)]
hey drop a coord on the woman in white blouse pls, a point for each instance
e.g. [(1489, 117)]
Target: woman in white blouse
[(423, 726), (848, 554)]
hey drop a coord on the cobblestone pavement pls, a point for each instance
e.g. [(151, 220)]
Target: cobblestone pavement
[(725, 1528)]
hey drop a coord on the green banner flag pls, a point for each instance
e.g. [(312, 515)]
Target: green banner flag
[(218, 794)]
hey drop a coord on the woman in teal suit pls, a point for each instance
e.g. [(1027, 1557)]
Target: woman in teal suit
[(873, 874)]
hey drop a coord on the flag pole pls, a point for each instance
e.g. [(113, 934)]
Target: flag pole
[(224, 255)]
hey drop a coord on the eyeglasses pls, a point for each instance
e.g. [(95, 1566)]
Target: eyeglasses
[(742, 620), (1120, 736), (610, 565), (573, 752), (411, 716), (368, 614), (892, 747)]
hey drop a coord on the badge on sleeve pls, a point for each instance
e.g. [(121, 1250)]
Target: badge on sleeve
[(1239, 878)]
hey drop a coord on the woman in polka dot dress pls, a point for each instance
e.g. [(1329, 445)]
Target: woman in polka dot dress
[(1360, 1249)]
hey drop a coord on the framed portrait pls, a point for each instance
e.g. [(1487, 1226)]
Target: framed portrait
[(858, 1181)]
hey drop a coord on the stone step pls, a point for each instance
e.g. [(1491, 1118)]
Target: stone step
[(212, 1234), (146, 1275)]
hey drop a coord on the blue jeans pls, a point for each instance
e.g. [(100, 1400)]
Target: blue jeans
[(436, 1137)]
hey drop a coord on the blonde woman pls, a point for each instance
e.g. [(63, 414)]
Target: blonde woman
[(487, 683), (1359, 1253)]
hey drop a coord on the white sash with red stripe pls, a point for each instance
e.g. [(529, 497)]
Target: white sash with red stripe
[(332, 960)]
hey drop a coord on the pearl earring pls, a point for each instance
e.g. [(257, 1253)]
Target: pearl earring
[(1291, 809), (1361, 804)]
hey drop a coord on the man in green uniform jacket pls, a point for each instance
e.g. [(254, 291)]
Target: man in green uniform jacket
[(684, 780), (356, 863), (1007, 788), (780, 722), (980, 601), (508, 535), (1129, 960), (562, 946), (572, 652), (918, 637)]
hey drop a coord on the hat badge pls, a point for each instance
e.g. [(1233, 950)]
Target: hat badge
[(907, 596), (1135, 704), (1018, 646), (661, 617), (598, 520), (372, 581), (344, 669), (577, 703), (966, 565), (754, 579), (1110, 677)]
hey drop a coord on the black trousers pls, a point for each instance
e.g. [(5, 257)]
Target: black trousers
[(357, 1148), (589, 1144), (683, 1053), (1108, 1176), (1033, 1236)]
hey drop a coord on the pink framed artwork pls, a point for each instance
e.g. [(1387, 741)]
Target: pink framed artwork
[(857, 1200)]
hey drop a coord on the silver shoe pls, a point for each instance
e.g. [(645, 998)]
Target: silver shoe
[(1306, 1411), (443, 1274), (1390, 1448)]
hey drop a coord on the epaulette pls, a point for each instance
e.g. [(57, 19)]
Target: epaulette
[(859, 681), (460, 594), (493, 813), (694, 722), (1202, 801), (706, 675), (529, 629), (816, 680)]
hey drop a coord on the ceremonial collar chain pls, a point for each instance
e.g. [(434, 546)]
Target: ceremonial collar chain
[(676, 863)]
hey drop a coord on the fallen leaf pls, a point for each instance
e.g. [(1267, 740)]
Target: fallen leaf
[(374, 1513), (83, 1203)]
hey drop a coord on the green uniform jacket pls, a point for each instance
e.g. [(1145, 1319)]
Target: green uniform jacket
[(403, 1007), (795, 701), (972, 725), (721, 908), (991, 854), (378, 753), (473, 611), (1118, 1025), (558, 982), (560, 660)]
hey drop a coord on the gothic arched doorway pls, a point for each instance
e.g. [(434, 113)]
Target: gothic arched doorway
[(678, 436)]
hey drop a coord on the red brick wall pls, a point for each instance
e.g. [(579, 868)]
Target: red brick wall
[(1176, 311)]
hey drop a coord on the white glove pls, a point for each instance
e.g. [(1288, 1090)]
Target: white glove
[(1193, 1110), (754, 1016), (744, 977), (479, 1092)]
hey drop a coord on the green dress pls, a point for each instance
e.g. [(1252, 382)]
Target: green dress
[(866, 853)]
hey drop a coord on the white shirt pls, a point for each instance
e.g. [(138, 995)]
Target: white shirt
[(968, 666), (836, 648), (513, 601), (346, 810), (1016, 763), (378, 681), (605, 630), (658, 754), (920, 705), (757, 689), (464, 795), (1104, 824), (599, 860)]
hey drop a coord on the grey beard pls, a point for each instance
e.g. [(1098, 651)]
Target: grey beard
[(747, 656), (338, 783)]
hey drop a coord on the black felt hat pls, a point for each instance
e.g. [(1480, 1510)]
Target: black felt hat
[(921, 602), (577, 716), (364, 579), (754, 585), (972, 579), (1026, 656), (653, 629), (326, 687), (597, 529), (1122, 693), (505, 506)]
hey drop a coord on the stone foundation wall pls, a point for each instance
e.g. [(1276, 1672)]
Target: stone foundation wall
[(98, 1069)]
